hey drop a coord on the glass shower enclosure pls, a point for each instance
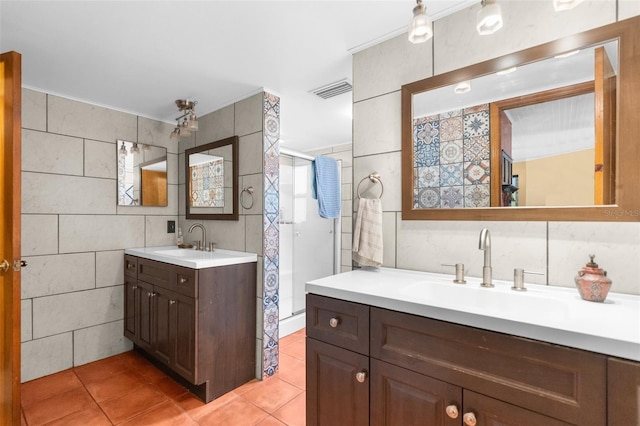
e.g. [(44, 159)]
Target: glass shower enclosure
[(309, 244)]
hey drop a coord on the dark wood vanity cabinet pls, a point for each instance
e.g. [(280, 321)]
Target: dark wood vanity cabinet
[(199, 324), (420, 371)]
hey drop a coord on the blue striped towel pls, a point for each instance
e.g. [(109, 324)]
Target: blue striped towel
[(325, 186)]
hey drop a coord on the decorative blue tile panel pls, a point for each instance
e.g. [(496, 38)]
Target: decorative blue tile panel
[(451, 174), (428, 177), (451, 196), (427, 198), (451, 129), (477, 172), (477, 195), (271, 233), (452, 150)]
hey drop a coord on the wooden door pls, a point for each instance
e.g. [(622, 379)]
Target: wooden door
[(10, 163), (335, 396), (403, 397), (605, 128)]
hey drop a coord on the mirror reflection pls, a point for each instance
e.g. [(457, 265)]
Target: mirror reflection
[(142, 174), (541, 134), (211, 172)]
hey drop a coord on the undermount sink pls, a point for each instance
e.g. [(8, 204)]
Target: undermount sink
[(191, 258)]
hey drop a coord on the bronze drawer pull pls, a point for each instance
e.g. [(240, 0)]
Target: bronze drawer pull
[(130, 265), (172, 302), (183, 280), (452, 411), (333, 322), (361, 376), (469, 419)]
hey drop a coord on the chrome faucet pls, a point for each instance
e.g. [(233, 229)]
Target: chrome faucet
[(202, 246), (485, 244)]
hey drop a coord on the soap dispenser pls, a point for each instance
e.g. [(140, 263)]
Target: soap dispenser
[(179, 240), (592, 282)]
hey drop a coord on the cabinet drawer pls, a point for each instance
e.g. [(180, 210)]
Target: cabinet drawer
[(156, 273), (131, 266), (563, 383), (341, 323), (184, 281)]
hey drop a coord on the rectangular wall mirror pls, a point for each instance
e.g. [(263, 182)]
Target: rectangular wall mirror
[(212, 180), (142, 174), (542, 134)]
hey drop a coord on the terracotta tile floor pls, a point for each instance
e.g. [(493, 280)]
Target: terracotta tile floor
[(128, 390)]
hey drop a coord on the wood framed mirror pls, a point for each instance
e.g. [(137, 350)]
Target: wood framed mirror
[(142, 174), (470, 176), (212, 180)]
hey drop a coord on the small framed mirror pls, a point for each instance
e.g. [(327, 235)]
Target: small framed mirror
[(142, 174), (212, 180)]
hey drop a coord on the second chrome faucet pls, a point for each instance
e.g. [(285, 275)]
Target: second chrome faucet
[(485, 244)]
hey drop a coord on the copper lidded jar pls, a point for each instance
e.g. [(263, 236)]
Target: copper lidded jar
[(592, 282)]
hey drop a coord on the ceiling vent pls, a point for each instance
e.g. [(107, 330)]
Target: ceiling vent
[(333, 89)]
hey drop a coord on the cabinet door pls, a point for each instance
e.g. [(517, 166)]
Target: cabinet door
[(144, 322), (623, 392), (403, 397), (162, 342), (131, 309), (183, 335), (492, 412), (337, 386)]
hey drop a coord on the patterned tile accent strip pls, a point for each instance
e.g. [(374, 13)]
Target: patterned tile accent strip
[(271, 229)]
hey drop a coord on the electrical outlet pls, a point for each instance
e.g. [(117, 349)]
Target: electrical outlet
[(171, 227)]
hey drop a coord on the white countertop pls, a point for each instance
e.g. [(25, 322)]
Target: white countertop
[(191, 258), (547, 313)]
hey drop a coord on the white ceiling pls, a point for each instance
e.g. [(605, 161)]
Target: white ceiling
[(140, 56)]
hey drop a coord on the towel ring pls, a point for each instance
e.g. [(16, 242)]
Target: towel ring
[(249, 191), (373, 177)]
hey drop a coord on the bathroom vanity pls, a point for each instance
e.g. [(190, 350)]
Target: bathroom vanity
[(194, 315), (394, 347)]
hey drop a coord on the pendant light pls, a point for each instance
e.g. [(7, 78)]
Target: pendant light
[(189, 121), (123, 150), (489, 18), (420, 26)]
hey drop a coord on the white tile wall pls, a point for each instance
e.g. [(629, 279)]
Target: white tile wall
[(103, 232), (100, 159), (49, 355), (72, 311), (73, 236), (109, 268), (73, 118), (557, 249), (49, 193), (39, 234), (48, 153), (99, 342), (526, 24), (47, 275)]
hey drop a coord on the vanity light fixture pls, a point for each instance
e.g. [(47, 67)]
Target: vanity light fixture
[(462, 87), (188, 117), (420, 26), (489, 17), (135, 149), (123, 150), (560, 5)]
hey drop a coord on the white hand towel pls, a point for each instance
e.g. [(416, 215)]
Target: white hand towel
[(367, 233)]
